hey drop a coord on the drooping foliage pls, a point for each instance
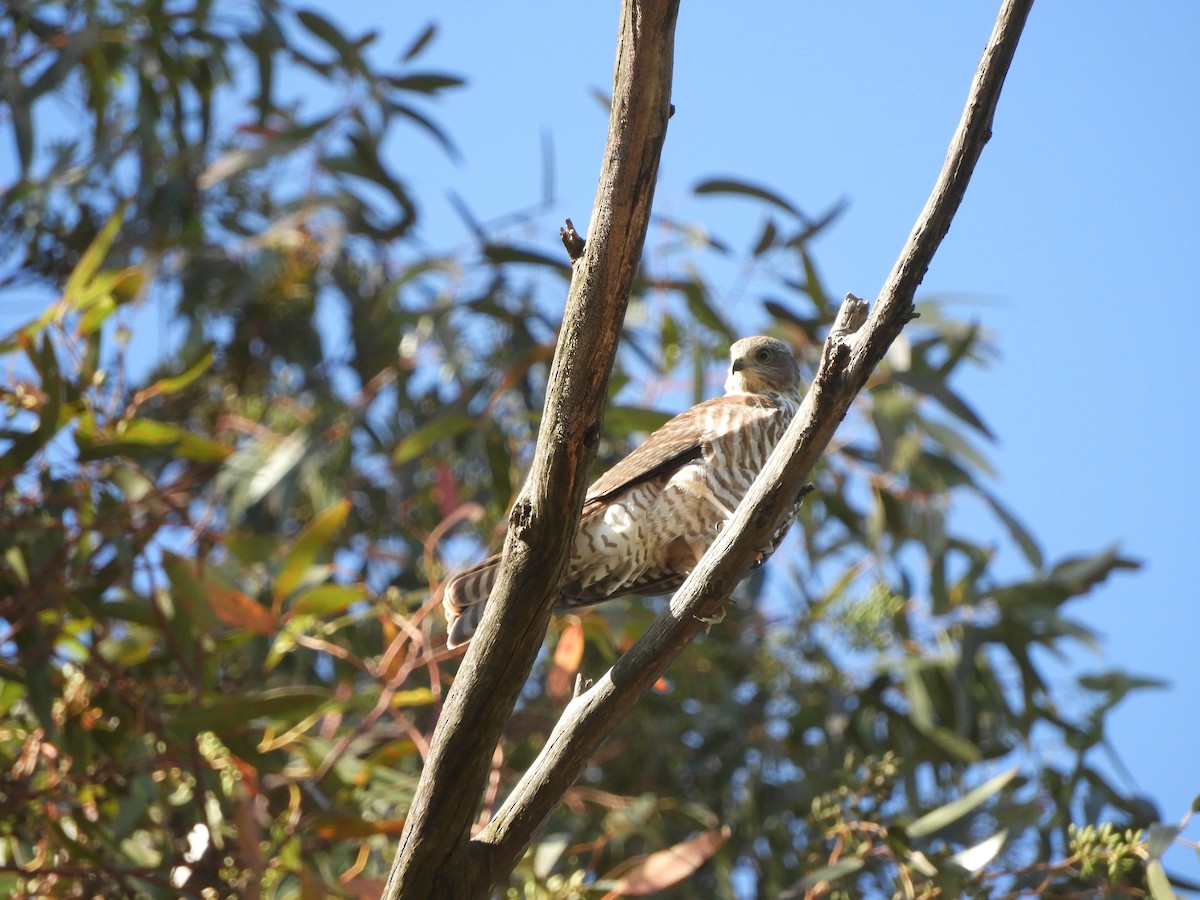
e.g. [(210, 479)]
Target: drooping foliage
[(250, 419)]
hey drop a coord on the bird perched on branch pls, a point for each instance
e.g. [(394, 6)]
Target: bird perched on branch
[(647, 521)]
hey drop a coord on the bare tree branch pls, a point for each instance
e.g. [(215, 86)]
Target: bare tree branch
[(432, 858), (847, 361)]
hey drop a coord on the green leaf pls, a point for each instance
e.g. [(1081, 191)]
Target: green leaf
[(420, 696), (1021, 535), (225, 712), (1160, 838), (766, 240), (827, 874), (103, 294), (419, 442), (952, 743), (920, 707), (959, 347), (951, 812), (503, 253), (310, 543), (932, 386), (149, 432), (89, 263), (1157, 881), (365, 163), (51, 417), (696, 295), (813, 227), (427, 125), (420, 42), (262, 44), (177, 383), (250, 547), (16, 564), (77, 43), (10, 693), (22, 121), (322, 28), (138, 434), (240, 159), (1080, 574), (97, 312), (1117, 685), (186, 608), (325, 599), (131, 645), (745, 189), (425, 82), (955, 443), (813, 285)]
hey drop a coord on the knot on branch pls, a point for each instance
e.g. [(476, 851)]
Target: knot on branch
[(851, 316), (591, 437), (572, 241), (521, 518), (836, 352)]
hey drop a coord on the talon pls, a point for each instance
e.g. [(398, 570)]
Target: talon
[(715, 619)]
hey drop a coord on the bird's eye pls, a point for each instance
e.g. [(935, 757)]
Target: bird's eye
[(762, 355)]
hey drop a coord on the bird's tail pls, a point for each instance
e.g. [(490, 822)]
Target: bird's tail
[(463, 598)]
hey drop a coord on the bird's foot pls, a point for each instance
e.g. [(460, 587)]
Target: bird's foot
[(709, 621), (762, 555)]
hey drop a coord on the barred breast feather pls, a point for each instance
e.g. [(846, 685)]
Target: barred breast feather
[(647, 521)]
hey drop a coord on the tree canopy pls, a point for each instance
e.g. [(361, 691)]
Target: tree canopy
[(219, 662)]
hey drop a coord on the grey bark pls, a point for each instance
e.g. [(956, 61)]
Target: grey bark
[(432, 859), (436, 856)]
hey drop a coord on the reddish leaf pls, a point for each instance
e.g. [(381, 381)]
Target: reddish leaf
[(667, 867), (567, 656), (235, 608), (342, 828), (445, 489)]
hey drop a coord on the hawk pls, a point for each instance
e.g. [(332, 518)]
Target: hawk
[(647, 521)]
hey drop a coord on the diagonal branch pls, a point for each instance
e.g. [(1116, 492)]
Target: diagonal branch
[(432, 858), (849, 356)]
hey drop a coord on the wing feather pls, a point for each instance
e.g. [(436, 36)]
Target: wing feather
[(677, 442)]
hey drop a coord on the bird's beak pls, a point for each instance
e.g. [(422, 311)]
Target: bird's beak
[(738, 365)]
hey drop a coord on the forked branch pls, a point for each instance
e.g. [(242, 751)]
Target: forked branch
[(432, 859), (850, 355)]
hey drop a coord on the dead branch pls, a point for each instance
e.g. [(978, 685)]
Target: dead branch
[(849, 356), (432, 858)]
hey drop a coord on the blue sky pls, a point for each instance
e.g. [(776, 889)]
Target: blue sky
[(1076, 245)]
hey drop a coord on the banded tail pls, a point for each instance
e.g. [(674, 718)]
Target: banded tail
[(464, 597)]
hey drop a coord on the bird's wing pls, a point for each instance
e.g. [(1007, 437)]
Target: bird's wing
[(679, 441)]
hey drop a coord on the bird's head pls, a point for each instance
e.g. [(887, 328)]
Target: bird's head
[(762, 365)]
